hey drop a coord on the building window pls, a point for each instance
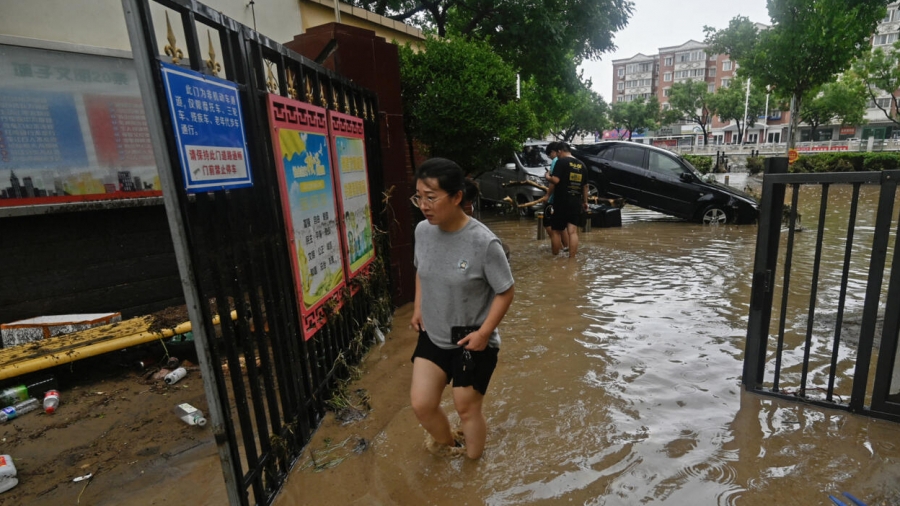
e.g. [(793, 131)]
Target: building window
[(620, 99), (639, 67), (667, 77), (621, 71), (711, 87), (683, 74), (885, 39), (725, 83), (620, 85), (668, 61), (726, 65), (884, 103), (712, 72), (666, 91), (887, 19)]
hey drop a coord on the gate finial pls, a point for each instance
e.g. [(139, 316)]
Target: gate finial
[(171, 49), (213, 66)]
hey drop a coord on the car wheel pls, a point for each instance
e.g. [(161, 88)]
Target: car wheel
[(593, 192), (714, 215)]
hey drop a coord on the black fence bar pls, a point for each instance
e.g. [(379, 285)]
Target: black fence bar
[(873, 292), (814, 288), (842, 297), (786, 288)]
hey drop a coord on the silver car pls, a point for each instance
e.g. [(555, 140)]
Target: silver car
[(529, 164)]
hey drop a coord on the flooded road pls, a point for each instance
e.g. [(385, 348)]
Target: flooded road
[(618, 384)]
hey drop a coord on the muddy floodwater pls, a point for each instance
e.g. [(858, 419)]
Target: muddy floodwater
[(619, 384)]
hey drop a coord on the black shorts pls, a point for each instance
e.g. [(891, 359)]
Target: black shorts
[(476, 374), (565, 215)]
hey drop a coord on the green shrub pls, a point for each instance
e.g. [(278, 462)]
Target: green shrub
[(755, 164), (702, 163), (846, 162)]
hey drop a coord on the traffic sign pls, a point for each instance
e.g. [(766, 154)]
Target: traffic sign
[(792, 156)]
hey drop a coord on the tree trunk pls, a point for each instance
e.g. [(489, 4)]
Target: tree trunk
[(792, 129)]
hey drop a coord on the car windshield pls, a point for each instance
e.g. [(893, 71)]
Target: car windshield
[(533, 156)]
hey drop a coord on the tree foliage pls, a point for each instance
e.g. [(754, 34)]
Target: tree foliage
[(566, 115), (636, 116), (843, 100), (460, 101), (690, 100), (808, 44), (880, 72), (729, 103), (545, 39)]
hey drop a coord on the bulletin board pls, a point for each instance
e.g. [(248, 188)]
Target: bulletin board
[(348, 145), (311, 210)]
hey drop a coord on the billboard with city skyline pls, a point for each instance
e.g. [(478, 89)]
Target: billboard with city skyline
[(72, 128)]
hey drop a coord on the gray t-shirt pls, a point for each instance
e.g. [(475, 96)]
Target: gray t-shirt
[(459, 274)]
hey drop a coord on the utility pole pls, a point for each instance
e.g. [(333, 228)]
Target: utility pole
[(746, 105)]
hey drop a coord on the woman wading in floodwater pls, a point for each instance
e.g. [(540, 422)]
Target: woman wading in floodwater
[(462, 280)]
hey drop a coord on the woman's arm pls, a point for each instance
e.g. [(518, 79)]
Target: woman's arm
[(478, 340), (416, 320)]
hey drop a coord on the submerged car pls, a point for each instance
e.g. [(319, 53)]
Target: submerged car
[(529, 164), (657, 179)]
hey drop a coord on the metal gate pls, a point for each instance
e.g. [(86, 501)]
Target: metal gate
[(813, 382), (266, 386)]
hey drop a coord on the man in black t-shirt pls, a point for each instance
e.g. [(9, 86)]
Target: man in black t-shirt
[(568, 184)]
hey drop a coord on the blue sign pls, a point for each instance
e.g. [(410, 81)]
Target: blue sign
[(209, 128)]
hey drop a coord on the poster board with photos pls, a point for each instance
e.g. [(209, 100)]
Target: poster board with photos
[(306, 181), (348, 145)]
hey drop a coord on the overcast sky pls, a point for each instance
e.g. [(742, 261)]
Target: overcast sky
[(662, 23)]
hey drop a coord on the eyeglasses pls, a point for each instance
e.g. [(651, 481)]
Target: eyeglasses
[(428, 201)]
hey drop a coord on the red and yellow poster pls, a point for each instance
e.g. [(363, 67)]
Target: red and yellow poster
[(348, 142), (306, 180)]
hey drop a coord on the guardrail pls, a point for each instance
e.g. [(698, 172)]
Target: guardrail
[(772, 149)]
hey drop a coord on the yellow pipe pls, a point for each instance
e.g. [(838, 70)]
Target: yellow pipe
[(90, 350)]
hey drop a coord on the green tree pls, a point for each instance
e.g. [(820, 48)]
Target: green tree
[(843, 100), (566, 115), (731, 102), (636, 116), (690, 102), (880, 72), (546, 39), (808, 44), (459, 101)]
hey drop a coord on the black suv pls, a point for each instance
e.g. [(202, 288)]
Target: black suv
[(660, 180)]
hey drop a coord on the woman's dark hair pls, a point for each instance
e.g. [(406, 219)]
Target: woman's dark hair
[(450, 178)]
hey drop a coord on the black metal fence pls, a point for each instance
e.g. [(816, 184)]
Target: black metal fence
[(875, 395), (269, 385)]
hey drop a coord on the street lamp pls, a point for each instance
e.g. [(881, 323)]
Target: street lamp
[(769, 89)]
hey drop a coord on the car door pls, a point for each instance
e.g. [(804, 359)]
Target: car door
[(671, 187), (624, 172), (491, 182)]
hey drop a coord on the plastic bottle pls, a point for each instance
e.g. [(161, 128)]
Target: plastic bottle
[(190, 415), (13, 395), (10, 412), (8, 478), (51, 401), (175, 375), (18, 393)]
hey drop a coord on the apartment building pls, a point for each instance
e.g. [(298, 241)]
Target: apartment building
[(654, 75), (877, 126)]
